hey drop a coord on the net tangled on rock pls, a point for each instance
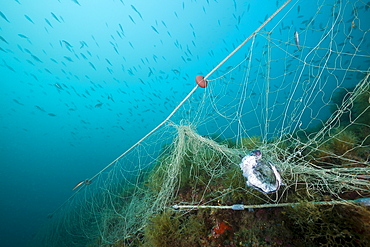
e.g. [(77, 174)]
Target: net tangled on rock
[(307, 110)]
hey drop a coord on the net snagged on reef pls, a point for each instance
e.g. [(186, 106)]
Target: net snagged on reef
[(306, 108)]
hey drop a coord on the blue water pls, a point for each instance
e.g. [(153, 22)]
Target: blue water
[(81, 81)]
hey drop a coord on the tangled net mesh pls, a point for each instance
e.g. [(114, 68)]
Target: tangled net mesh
[(307, 110)]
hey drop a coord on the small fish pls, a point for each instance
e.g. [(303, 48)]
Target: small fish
[(4, 17), (83, 43), (2, 39), (48, 22), (83, 56), (86, 182), (22, 36), (109, 62), (9, 67), (98, 105), (136, 11), (155, 30), (92, 65), (40, 108), (296, 39), (78, 184), (150, 72), (132, 19), (76, 2), (66, 43), (55, 17), (36, 58), (29, 18), (16, 101), (68, 58)]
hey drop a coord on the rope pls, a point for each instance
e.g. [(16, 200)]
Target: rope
[(360, 201), (247, 39)]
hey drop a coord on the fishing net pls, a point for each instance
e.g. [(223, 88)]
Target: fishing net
[(304, 105)]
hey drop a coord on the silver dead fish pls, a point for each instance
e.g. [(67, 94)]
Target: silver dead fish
[(296, 38), (261, 175)]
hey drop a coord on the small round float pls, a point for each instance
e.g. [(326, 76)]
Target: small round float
[(200, 81)]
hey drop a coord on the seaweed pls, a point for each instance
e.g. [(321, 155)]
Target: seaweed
[(169, 229), (250, 143), (341, 225)]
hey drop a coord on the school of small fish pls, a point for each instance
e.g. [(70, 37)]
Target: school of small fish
[(137, 77)]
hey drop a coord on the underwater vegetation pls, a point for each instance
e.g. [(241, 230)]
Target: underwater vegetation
[(334, 226), (250, 143), (199, 170), (350, 138), (357, 113), (168, 229)]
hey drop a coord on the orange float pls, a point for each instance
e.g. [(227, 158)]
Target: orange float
[(200, 81), (220, 228)]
